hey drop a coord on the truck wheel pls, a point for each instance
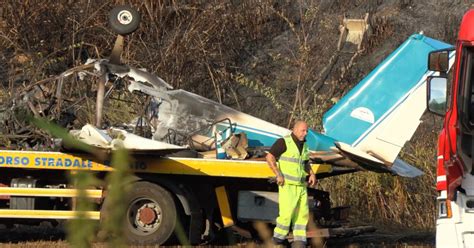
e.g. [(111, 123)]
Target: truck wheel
[(151, 215), (124, 19)]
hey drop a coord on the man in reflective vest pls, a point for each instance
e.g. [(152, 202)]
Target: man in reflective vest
[(291, 171)]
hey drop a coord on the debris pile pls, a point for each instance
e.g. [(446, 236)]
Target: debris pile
[(69, 101), (141, 113)]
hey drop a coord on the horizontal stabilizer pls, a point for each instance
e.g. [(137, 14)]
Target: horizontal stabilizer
[(371, 163), (403, 169)]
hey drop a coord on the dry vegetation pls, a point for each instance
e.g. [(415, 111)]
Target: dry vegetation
[(263, 57), (393, 203)]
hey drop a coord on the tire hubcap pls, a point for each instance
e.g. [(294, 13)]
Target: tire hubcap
[(145, 216), (125, 17)]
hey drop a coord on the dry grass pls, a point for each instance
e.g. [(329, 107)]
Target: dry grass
[(389, 201), (37, 244)]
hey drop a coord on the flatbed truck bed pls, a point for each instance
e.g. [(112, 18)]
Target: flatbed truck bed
[(203, 192)]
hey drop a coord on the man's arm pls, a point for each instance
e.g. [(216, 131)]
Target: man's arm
[(309, 170), (277, 149), (271, 161)]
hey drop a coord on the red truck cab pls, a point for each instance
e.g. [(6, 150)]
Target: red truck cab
[(455, 174)]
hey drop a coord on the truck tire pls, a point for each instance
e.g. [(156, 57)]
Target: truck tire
[(124, 19), (151, 214)]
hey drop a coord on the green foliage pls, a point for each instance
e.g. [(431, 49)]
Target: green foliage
[(181, 234), (119, 182), (81, 230), (59, 132), (312, 115), (260, 88)]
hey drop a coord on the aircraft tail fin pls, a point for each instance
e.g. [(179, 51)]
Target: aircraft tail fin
[(383, 111)]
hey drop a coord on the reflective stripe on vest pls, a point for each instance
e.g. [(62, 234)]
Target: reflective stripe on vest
[(294, 179), (291, 162)]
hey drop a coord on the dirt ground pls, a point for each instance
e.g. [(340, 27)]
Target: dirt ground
[(37, 237)]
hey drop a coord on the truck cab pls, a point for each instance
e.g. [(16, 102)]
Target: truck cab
[(455, 101)]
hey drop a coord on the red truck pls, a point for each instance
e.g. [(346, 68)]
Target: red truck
[(455, 101)]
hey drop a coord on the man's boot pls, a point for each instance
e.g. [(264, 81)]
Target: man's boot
[(279, 242), (298, 244)]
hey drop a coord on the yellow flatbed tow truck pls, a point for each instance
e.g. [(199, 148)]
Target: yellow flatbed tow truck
[(201, 192)]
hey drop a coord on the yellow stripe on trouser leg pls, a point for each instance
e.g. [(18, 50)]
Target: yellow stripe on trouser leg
[(301, 214), (292, 198)]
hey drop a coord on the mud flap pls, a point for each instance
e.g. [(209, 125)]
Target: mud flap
[(224, 206)]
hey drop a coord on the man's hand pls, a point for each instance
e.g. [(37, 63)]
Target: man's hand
[(280, 180), (271, 160), (312, 180)]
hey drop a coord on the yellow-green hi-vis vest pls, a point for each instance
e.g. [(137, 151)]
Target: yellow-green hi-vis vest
[(291, 162)]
